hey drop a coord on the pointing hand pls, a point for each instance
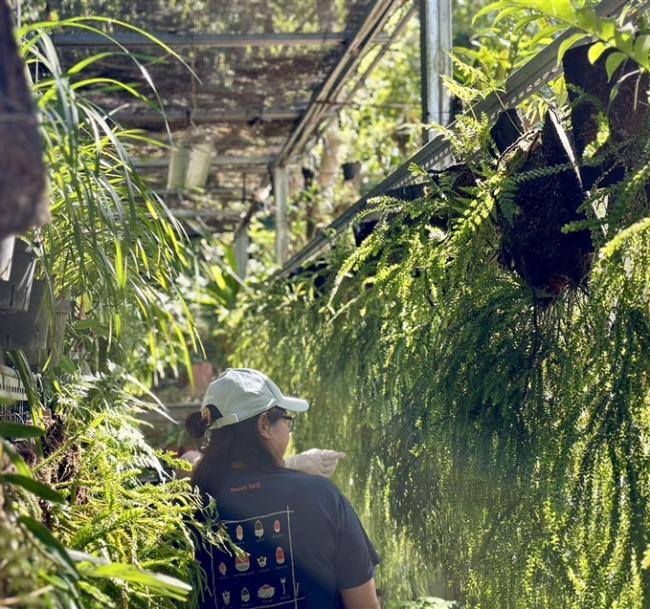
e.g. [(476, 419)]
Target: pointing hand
[(315, 461)]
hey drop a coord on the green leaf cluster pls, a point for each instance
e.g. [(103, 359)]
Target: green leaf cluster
[(496, 438), (90, 515), (610, 33), (120, 531), (112, 246)]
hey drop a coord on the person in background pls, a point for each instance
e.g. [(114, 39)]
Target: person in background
[(299, 542)]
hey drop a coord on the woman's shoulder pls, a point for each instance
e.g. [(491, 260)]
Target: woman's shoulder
[(310, 483), (285, 482)]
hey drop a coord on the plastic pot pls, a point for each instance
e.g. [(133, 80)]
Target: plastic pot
[(14, 407), (351, 170), (27, 330), (402, 139), (11, 387), (15, 293), (178, 163), (6, 256), (198, 169)]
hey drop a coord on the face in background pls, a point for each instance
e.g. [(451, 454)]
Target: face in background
[(275, 432)]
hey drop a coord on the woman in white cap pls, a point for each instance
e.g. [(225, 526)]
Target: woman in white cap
[(300, 543)]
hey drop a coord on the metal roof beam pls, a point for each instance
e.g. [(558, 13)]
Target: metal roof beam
[(220, 161), (186, 117), (223, 41), (368, 34), (235, 194), (395, 34), (435, 62), (212, 214)]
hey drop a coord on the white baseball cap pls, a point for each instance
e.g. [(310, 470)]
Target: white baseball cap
[(242, 393)]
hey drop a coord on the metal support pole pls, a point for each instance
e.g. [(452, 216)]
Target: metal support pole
[(281, 196), (241, 252), (435, 44)]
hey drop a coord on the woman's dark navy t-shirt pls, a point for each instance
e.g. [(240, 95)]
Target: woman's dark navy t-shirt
[(302, 542)]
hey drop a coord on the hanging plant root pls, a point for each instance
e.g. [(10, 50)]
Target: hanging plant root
[(621, 100), (548, 196)]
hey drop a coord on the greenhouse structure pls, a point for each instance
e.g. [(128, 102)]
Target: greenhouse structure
[(321, 304)]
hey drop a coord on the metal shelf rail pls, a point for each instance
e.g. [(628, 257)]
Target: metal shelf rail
[(523, 83)]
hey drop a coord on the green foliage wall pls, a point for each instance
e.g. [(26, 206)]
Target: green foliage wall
[(500, 438), (493, 434)]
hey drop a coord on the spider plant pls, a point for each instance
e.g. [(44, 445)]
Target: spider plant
[(79, 526), (112, 245)]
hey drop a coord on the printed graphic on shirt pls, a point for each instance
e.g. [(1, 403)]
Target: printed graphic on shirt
[(242, 563), (259, 529), (262, 573)]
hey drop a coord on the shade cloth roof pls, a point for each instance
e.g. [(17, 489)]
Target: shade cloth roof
[(253, 71)]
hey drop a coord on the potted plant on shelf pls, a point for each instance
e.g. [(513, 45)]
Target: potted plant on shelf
[(178, 163), (198, 168)]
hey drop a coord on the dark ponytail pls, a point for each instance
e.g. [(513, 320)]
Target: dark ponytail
[(233, 447), (198, 422)]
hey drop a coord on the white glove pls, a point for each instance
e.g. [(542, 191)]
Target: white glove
[(315, 461)]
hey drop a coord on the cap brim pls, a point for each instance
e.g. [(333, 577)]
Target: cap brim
[(294, 404)]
